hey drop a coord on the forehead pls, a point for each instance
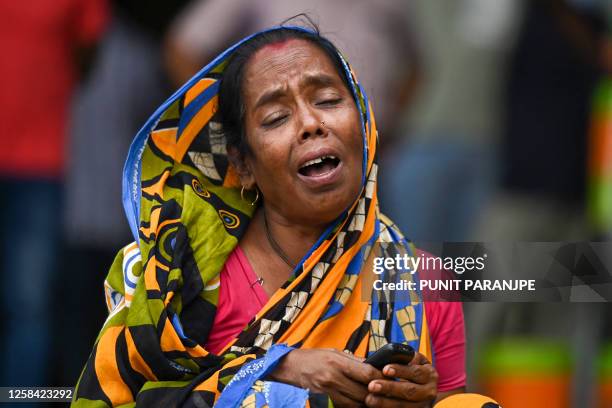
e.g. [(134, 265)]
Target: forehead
[(281, 62)]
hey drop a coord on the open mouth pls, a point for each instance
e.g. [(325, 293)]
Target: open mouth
[(319, 166)]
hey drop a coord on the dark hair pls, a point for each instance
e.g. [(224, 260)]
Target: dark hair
[(231, 109)]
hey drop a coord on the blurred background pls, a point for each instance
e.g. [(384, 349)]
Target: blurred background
[(495, 121)]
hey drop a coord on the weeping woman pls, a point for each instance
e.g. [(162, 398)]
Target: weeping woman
[(251, 194)]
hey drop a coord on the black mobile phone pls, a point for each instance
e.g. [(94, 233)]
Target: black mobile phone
[(391, 353)]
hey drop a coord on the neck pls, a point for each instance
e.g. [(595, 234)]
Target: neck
[(293, 239)]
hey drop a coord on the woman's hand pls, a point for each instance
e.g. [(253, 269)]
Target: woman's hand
[(343, 377), (417, 385)]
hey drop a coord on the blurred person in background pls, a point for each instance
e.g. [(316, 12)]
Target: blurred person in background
[(553, 72), (445, 161), (504, 99), (376, 36), (44, 46), (127, 82)]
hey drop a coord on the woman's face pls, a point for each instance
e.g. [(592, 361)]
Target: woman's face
[(304, 133)]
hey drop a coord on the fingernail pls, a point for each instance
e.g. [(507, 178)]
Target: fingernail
[(375, 387), (390, 371)]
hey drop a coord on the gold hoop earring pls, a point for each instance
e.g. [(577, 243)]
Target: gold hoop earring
[(256, 196)]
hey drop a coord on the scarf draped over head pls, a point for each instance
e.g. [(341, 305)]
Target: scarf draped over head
[(183, 204)]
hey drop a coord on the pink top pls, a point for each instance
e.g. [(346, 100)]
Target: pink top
[(239, 305)]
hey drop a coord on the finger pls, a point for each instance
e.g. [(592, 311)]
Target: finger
[(341, 400), (420, 374), (361, 372), (344, 380), (350, 356), (404, 390), (350, 389), (354, 357), (377, 401), (419, 359)]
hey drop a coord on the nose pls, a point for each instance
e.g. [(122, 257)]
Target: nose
[(312, 125)]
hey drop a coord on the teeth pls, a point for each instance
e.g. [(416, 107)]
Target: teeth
[(311, 162), (317, 161)]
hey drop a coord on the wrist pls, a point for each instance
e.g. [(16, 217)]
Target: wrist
[(285, 370)]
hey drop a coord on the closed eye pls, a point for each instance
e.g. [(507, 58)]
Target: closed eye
[(274, 120), (329, 102)]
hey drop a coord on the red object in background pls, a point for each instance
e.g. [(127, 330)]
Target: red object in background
[(604, 386), (605, 394), (39, 40), (530, 391), (527, 373)]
